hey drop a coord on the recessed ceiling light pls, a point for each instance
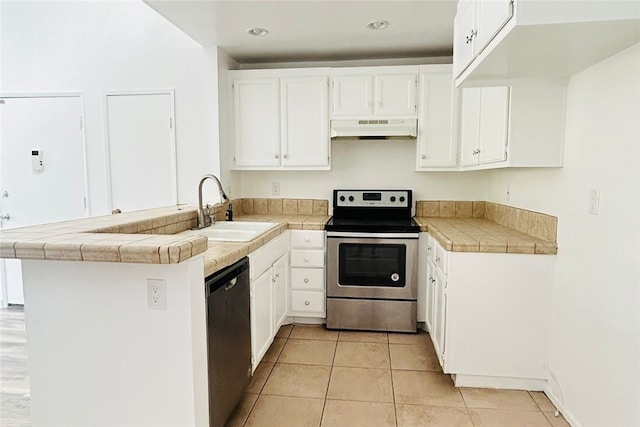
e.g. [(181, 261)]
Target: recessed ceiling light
[(377, 25), (257, 31)]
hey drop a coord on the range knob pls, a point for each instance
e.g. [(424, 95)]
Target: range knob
[(402, 198), (342, 198), (351, 198), (393, 198)]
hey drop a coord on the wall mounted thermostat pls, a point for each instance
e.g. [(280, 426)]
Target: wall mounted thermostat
[(37, 163)]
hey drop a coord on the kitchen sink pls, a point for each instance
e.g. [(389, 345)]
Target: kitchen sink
[(233, 231)]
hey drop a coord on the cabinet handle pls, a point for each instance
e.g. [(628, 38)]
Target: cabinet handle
[(306, 280), (307, 302), (275, 156), (424, 156)]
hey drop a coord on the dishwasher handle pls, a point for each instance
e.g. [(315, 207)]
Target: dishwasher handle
[(227, 277)]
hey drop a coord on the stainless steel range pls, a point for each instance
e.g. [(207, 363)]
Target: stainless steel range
[(372, 261)]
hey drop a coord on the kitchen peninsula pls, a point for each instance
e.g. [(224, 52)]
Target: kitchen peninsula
[(98, 355)]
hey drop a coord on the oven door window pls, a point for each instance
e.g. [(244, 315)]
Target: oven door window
[(364, 264)]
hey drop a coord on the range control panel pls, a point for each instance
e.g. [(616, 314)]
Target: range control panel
[(372, 198)]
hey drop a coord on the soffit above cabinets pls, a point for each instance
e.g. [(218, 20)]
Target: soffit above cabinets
[(312, 30)]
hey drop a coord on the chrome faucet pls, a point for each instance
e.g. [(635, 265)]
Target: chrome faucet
[(205, 218)]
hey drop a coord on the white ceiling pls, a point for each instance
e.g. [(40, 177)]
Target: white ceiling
[(312, 30)]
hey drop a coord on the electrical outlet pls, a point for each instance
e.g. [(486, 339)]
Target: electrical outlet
[(275, 188), (156, 294)]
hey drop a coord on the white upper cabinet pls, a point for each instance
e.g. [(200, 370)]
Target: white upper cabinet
[(281, 119), (501, 127), (305, 121), (435, 146), (502, 41), (374, 92), (256, 109)]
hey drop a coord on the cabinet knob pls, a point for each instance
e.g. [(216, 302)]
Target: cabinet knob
[(428, 248), (437, 259), (306, 280), (424, 156), (307, 302), (284, 156), (275, 156)]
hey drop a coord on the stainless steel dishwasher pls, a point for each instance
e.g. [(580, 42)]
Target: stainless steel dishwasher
[(228, 339)]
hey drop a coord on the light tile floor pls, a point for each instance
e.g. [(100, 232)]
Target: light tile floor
[(314, 377)]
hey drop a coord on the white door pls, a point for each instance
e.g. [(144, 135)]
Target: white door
[(352, 96), (435, 142), (494, 121), (396, 95), (280, 292), (261, 316), (305, 111), (141, 150), (256, 111), (50, 125)]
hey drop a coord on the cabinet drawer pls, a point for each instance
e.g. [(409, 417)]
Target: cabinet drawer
[(307, 279), (264, 257), (307, 239), (307, 258), (307, 302), (431, 247), (441, 258)]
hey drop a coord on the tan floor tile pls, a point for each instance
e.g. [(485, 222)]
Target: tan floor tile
[(274, 350), (419, 338), (542, 401), (308, 352), (507, 418), (425, 388), (362, 355), (360, 384), (498, 399), (284, 331), (355, 336), (414, 357), (298, 381), (260, 376), (436, 416), (341, 413), (558, 421), (240, 414), (281, 411), (313, 332)]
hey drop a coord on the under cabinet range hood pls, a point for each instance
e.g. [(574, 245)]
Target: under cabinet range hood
[(374, 129)]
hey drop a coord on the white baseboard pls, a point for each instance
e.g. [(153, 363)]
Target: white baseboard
[(531, 384), (568, 416)]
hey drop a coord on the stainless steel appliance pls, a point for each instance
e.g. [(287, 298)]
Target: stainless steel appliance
[(372, 261), (228, 339)]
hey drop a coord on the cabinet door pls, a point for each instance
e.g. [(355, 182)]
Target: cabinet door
[(494, 119), (261, 317), (352, 96), (435, 142), (280, 292), (430, 297), (463, 34), (395, 95), (440, 318), (305, 121), (490, 18), (469, 126), (256, 122)]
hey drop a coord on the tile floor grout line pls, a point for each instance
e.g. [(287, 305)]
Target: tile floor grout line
[(326, 393), (393, 389)]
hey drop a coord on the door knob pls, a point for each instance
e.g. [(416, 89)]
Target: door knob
[(4, 194)]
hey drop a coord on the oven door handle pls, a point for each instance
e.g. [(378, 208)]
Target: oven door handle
[(374, 235)]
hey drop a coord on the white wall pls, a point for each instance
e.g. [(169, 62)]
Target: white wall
[(230, 179), (595, 332), (95, 47), (368, 164)]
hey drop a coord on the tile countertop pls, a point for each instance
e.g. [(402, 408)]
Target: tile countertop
[(483, 235), (147, 236)]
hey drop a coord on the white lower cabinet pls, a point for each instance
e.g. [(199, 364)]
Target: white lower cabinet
[(307, 273), (488, 315), (268, 272)]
